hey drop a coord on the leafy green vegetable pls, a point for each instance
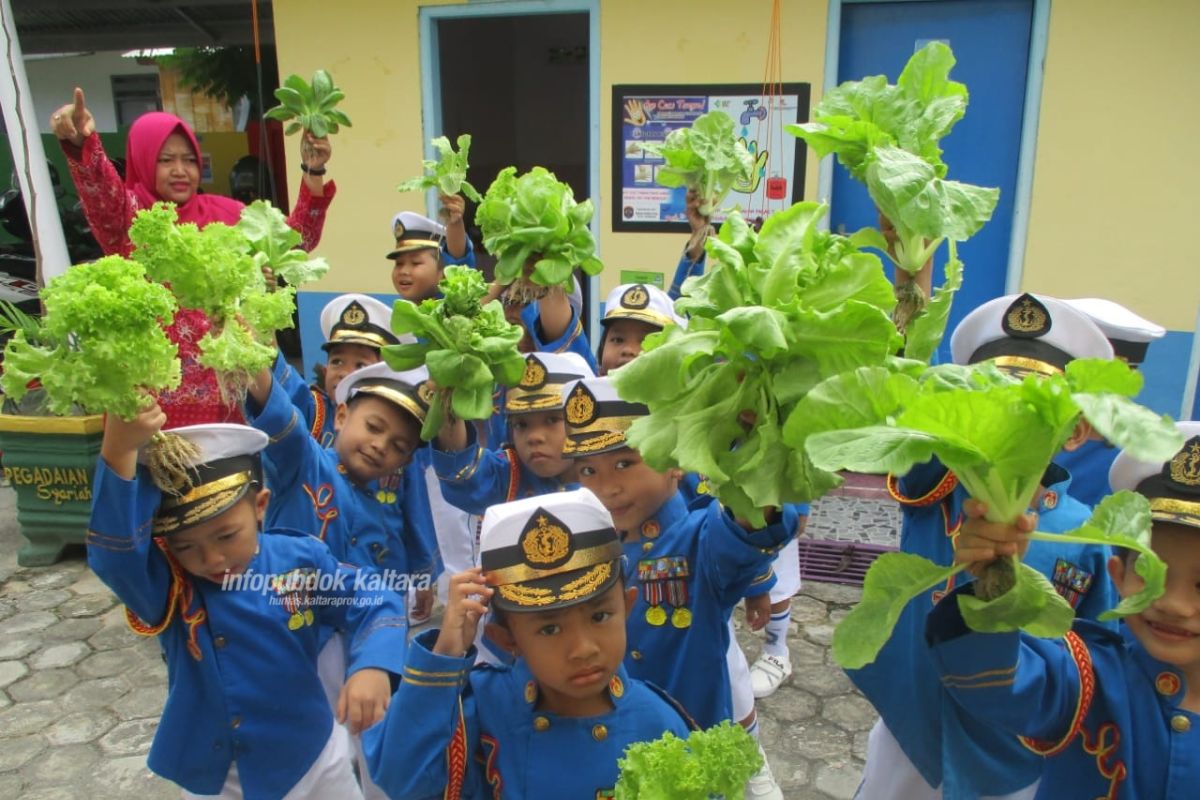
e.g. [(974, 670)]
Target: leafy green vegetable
[(102, 345), (448, 173), (776, 313), (998, 436), (712, 763), (309, 107), (213, 269), (535, 217), (887, 137), (708, 158), (467, 347), (275, 244)]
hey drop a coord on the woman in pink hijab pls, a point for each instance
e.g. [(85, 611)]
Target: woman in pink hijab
[(163, 163)]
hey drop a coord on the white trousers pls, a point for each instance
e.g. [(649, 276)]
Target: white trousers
[(889, 775), (331, 669)]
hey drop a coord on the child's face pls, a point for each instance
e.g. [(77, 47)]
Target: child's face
[(627, 486), (623, 342), (573, 652), (344, 359), (416, 274), (1170, 628), (538, 438), (374, 438), (223, 544), (177, 174)]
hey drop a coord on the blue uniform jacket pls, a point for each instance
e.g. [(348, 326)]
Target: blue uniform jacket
[(457, 731), (948, 747), (1105, 713), (315, 407), (684, 270), (242, 662), (573, 341), (368, 526), (1089, 467), (695, 490), (474, 478), (690, 569)]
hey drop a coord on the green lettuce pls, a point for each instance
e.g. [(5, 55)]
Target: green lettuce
[(311, 107), (102, 346), (215, 269), (776, 313), (888, 138), (708, 158), (998, 435), (535, 216), (276, 245), (711, 763), (467, 347), (448, 173)]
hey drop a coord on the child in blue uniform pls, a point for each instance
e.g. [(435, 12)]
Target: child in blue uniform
[(632, 312), (355, 327), (1130, 336), (690, 567), (356, 495), (424, 248), (555, 722), (923, 747), (1115, 713), (237, 611), (691, 263), (474, 478)]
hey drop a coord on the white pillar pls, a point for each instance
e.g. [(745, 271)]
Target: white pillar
[(29, 157)]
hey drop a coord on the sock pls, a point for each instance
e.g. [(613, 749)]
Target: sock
[(777, 630)]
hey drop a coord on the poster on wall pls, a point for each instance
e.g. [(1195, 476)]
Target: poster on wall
[(644, 113)]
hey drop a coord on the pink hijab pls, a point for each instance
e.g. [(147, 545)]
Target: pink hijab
[(146, 138)]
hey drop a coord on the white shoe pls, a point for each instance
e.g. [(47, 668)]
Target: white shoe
[(768, 672), (763, 786)]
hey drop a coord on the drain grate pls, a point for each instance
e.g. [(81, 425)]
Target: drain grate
[(837, 561)]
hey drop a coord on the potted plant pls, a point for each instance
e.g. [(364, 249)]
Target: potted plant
[(48, 458)]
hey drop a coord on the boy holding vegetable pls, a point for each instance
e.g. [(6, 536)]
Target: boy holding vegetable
[(245, 715), (689, 566), (554, 723), (632, 312), (355, 327), (1113, 712), (923, 747), (424, 247)]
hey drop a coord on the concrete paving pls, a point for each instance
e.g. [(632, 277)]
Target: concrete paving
[(80, 694)]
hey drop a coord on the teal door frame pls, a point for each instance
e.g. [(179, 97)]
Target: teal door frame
[(431, 95), (1029, 125)]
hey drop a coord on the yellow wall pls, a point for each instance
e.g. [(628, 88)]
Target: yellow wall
[(1114, 192), (373, 52)]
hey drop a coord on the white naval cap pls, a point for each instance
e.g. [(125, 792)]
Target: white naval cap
[(415, 232), (549, 551), (1129, 333), (357, 319), (1173, 487), (643, 303), (597, 418), (542, 383), (410, 390), (1027, 333)]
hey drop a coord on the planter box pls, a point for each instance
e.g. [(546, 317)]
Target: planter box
[(50, 462)]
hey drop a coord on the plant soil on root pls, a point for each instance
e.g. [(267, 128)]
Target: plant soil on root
[(996, 579), (910, 301)]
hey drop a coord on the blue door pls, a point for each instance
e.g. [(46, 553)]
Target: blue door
[(991, 42)]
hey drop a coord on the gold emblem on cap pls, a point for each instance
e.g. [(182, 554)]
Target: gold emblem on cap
[(1185, 466), (581, 408), (398, 229), (535, 374), (425, 392), (1025, 316), (546, 543), (354, 314), (635, 296)]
